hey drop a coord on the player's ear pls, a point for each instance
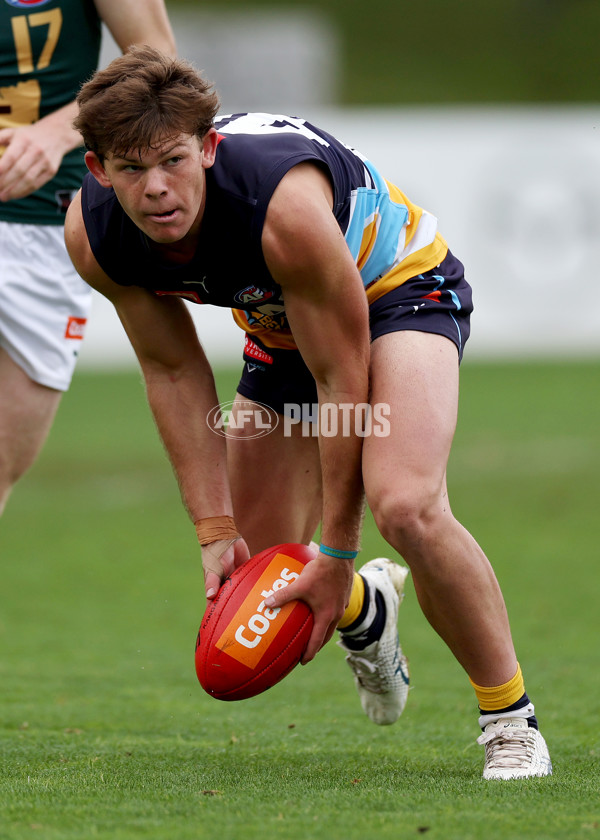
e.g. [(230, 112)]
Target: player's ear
[(210, 142), (94, 164)]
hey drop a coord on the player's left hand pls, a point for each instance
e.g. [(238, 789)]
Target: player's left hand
[(325, 585), (219, 560), (32, 156)]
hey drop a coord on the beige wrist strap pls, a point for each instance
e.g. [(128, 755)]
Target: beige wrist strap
[(214, 528), (211, 557)]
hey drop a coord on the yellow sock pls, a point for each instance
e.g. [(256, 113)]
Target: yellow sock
[(494, 698), (357, 596)]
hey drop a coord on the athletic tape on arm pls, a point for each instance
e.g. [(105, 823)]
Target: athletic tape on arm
[(215, 528)]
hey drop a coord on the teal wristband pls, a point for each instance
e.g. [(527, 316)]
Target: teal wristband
[(334, 552)]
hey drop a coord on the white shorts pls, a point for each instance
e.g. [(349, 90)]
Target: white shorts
[(44, 303)]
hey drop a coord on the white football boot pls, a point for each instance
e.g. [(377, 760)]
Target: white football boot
[(381, 669), (514, 750)]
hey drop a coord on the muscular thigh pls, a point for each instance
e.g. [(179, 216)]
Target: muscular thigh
[(416, 375), (275, 478)]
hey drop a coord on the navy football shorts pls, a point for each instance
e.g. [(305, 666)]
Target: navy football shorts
[(438, 301)]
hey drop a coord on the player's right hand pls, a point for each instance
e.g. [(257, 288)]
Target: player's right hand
[(31, 157), (325, 584)]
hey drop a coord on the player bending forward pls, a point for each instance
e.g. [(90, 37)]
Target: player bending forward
[(347, 294)]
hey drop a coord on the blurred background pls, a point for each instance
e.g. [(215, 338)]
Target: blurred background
[(487, 114)]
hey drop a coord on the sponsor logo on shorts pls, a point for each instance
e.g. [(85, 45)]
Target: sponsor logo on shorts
[(253, 628), (26, 4), (75, 327), (254, 351)]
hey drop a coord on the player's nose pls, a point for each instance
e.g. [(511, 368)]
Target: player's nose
[(155, 184)]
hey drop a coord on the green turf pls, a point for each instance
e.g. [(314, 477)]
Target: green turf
[(106, 733)]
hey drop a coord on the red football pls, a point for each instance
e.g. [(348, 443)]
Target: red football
[(244, 648)]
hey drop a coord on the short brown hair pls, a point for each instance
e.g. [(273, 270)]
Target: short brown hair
[(141, 99)]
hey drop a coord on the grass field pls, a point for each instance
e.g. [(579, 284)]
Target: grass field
[(106, 733)]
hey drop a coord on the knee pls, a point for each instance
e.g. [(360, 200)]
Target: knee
[(408, 517)]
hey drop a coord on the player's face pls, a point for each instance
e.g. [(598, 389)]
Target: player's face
[(162, 190)]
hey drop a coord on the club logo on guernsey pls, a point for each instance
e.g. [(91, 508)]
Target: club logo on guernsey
[(26, 4), (253, 628), (252, 294)]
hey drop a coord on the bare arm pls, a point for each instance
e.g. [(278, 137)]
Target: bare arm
[(179, 384), (33, 153), (328, 314), (129, 26)]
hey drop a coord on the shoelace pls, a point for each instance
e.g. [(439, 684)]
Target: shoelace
[(367, 673), (507, 748)]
